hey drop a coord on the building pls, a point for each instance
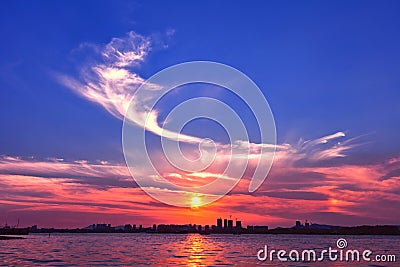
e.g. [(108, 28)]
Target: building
[(257, 229), (128, 228), (173, 228), (219, 223), (260, 228), (225, 223)]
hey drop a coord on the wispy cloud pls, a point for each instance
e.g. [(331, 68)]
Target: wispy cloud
[(107, 79), (323, 148), (110, 81), (100, 173)]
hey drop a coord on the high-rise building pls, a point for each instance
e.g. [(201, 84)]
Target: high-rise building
[(219, 223), (230, 223), (239, 224), (225, 223)]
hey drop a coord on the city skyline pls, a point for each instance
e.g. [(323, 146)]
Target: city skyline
[(330, 75), (222, 226)]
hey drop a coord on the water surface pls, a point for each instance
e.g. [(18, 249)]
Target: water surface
[(178, 249)]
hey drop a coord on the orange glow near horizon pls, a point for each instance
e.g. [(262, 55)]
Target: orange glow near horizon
[(106, 193)]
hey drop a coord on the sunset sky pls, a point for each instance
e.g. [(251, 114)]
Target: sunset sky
[(329, 70)]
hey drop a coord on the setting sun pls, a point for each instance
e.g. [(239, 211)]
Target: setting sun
[(196, 202)]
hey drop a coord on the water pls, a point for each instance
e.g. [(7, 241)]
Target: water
[(179, 250)]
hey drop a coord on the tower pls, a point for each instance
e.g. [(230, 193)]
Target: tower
[(219, 223)]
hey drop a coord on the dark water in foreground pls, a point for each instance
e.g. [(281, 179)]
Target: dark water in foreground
[(181, 250)]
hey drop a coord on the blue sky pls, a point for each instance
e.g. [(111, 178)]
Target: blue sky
[(325, 67)]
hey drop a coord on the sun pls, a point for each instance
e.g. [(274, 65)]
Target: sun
[(196, 202)]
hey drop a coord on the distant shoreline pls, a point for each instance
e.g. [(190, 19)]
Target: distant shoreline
[(155, 233), (2, 237), (356, 230)]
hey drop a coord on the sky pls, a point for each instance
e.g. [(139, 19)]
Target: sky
[(329, 70)]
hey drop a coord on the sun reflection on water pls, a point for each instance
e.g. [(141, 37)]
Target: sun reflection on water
[(195, 245)]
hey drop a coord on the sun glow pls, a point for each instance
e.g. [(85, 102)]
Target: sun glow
[(196, 202)]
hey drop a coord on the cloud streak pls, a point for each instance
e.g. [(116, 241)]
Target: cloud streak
[(107, 81), (340, 194), (110, 81)]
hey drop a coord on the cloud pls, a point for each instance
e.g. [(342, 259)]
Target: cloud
[(345, 193), (299, 184), (323, 148), (110, 80), (102, 174), (106, 80)]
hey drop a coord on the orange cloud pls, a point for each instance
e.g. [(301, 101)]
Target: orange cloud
[(102, 191)]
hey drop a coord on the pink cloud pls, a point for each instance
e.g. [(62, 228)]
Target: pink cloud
[(337, 194)]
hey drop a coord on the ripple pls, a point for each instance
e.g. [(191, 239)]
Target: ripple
[(172, 250)]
